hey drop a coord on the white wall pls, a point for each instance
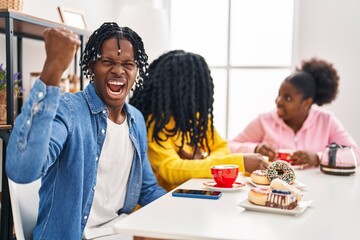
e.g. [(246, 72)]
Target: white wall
[(150, 20), (96, 12), (330, 29)]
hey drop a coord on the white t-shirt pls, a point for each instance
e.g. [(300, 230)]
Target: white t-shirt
[(112, 178)]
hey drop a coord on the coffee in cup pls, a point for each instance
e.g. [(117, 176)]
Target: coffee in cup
[(225, 174)]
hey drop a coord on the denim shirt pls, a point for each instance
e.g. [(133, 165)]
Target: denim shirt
[(59, 138)]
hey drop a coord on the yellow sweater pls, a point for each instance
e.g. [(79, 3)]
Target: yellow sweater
[(171, 170)]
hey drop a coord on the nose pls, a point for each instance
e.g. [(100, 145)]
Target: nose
[(118, 69), (278, 100)]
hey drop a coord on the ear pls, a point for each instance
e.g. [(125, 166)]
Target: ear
[(90, 66), (308, 102)]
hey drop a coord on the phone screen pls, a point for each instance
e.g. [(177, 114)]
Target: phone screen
[(197, 193)]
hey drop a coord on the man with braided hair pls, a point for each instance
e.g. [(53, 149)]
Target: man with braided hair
[(177, 103), (88, 148)]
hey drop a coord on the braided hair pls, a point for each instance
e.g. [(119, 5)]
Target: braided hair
[(92, 51), (316, 79), (180, 87)]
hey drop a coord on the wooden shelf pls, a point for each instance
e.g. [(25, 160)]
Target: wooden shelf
[(33, 27), (5, 127)]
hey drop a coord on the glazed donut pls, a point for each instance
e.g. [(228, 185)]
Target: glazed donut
[(260, 177), (278, 184), (282, 170), (258, 196)]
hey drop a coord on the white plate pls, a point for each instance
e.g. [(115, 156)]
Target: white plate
[(302, 205), (298, 167), (212, 186), (296, 184)]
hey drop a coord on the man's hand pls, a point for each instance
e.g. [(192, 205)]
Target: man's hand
[(61, 46)]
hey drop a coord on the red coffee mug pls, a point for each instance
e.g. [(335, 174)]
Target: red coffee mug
[(225, 175), (285, 155)]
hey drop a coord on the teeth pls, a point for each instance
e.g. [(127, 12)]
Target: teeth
[(116, 83)]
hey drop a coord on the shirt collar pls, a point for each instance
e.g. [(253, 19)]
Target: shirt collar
[(96, 105)]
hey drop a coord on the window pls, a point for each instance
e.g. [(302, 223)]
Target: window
[(261, 33), (248, 46), (194, 28)]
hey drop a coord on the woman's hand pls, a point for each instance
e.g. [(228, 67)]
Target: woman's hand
[(199, 154), (266, 149), (254, 161), (305, 158)]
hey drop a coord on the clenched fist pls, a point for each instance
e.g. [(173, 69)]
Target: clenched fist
[(61, 46)]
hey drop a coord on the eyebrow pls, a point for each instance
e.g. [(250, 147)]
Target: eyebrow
[(109, 58)]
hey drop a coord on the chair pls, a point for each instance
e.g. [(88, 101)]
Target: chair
[(25, 203)]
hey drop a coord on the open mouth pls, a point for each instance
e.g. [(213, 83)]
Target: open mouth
[(115, 87)]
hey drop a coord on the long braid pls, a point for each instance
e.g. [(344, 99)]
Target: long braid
[(92, 51), (180, 87), (205, 97)]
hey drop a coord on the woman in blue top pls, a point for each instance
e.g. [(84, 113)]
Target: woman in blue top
[(88, 148)]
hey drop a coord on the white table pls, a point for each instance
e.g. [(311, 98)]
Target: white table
[(333, 214)]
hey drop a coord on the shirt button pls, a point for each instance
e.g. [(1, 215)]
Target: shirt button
[(102, 131), (40, 94), (104, 111), (28, 122), (97, 158), (85, 217), (36, 108), (94, 188)]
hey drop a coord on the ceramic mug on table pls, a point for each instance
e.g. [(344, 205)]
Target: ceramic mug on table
[(225, 174), (285, 155)]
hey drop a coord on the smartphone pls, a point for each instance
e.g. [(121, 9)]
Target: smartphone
[(191, 193)]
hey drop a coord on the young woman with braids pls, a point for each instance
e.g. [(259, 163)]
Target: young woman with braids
[(296, 123), (88, 148), (177, 103)]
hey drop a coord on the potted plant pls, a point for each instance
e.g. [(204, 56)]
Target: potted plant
[(17, 90)]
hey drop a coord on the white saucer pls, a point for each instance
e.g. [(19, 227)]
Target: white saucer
[(302, 205), (296, 184), (212, 186)]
